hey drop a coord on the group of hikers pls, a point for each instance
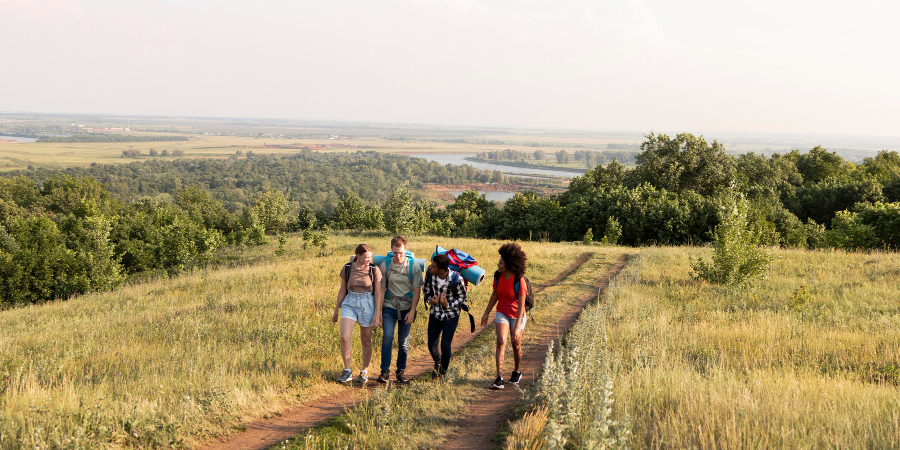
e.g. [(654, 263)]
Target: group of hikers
[(388, 293)]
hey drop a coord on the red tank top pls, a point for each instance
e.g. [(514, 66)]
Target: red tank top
[(507, 300)]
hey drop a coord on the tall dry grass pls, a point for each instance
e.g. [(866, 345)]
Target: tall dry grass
[(171, 362), (807, 358)]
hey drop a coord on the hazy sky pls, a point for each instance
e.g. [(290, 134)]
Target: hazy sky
[(639, 65)]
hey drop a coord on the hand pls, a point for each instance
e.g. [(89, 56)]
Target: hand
[(517, 334), (410, 317), (378, 319), (334, 317), (484, 319), (444, 302)]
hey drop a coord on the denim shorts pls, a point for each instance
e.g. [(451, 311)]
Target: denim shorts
[(501, 318), (359, 306)]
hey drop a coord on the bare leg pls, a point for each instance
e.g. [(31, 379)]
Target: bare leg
[(347, 326), (365, 336), (502, 332), (517, 348)]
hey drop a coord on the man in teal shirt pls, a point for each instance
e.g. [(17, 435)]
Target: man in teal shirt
[(399, 311)]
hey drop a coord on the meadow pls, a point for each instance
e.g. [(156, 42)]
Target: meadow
[(807, 358), (17, 156), (172, 362)]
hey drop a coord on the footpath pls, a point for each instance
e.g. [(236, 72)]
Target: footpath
[(477, 428)]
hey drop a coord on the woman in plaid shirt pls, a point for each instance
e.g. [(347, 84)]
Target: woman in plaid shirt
[(445, 293)]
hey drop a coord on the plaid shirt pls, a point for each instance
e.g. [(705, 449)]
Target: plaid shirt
[(456, 295)]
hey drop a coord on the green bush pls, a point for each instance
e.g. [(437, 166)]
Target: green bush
[(737, 256)]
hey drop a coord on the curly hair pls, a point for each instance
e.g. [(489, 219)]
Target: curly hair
[(514, 258)]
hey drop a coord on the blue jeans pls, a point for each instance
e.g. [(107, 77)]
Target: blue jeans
[(393, 321)]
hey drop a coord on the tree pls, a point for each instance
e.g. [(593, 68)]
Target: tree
[(350, 213), (685, 163), (819, 164), (562, 157), (399, 211), (539, 154), (737, 257), (466, 210), (885, 167), (272, 208), (527, 216)]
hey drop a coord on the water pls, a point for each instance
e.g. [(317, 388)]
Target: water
[(16, 138), (457, 159), (500, 196)]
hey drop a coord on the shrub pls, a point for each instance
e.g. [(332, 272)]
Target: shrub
[(737, 256), (613, 231), (588, 238)]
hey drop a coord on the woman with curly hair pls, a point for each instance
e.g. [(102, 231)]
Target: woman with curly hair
[(509, 296)]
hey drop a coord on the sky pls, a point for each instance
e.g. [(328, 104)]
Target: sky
[(695, 66)]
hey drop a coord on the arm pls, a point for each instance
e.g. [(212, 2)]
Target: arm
[(379, 304), (428, 290), (457, 296), (417, 294), (490, 306), (342, 292), (520, 325)]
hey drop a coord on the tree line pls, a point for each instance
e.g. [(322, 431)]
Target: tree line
[(675, 194), (64, 232), (104, 137)]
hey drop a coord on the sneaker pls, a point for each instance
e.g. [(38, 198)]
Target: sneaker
[(498, 383), (384, 377), (436, 371), (516, 376), (401, 378), (346, 375), (363, 378)]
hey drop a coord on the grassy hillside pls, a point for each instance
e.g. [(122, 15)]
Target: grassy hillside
[(169, 362), (808, 358)]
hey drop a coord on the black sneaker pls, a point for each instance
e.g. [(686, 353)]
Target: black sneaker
[(383, 377), (436, 371), (498, 383), (516, 376), (401, 378)]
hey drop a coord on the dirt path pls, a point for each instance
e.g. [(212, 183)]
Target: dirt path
[(264, 433), (490, 410)]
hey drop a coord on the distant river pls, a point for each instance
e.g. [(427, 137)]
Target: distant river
[(500, 196), (16, 138), (457, 159)]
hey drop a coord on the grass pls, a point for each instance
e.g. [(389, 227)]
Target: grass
[(807, 358), (173, 361), (424, 414)]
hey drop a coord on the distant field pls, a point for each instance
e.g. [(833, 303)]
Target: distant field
[(15, 156)]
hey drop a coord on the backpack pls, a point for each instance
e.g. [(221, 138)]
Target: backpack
[(411, 257), (346, 273), (529, 295)]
